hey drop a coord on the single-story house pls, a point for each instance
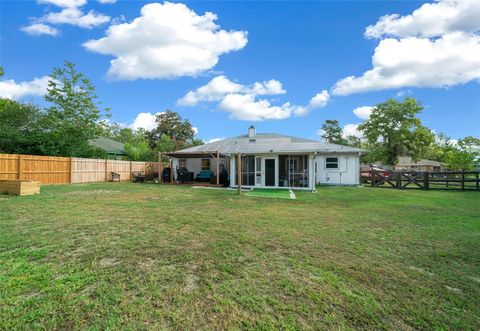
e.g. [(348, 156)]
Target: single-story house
[(406, 163), (271, 160), (114, 149)]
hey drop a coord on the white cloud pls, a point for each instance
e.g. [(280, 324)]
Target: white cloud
[(75, 16), (167, 40), (107, 1), (195, 129), (363, 112), (351, 130), (430, 20), (246, 107), (37, 29), (145, 121), (271, 87), (64, 3), (450, 60), (320, 99), (214, 90), (242, 101), (71, 13), (220, 86), (214, 140), (436, 46), (10, 89)]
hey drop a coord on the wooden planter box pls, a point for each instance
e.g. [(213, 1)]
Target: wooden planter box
[(19, 187)]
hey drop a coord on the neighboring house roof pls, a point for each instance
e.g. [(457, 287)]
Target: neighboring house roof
[(109, 145), (268, 143), (407, 161)]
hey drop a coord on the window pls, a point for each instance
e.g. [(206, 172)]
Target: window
[(331, 163), (248, 170), (205, 164), (293, 170), (182, 163)]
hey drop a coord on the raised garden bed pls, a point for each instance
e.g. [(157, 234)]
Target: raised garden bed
[(19, 187)]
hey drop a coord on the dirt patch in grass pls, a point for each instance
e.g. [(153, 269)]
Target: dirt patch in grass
[(93, 192), (422, 271), (107, 262), (146, 265), (454, 290), (191, 279)]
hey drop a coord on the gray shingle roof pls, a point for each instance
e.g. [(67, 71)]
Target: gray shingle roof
[(269, 143)]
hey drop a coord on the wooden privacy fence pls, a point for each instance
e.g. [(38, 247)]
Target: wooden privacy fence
[(425, 180), (65, 170)]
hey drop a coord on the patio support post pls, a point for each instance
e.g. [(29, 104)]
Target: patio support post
[(160, 168), (171, 171), (239, 172), (218, 168)]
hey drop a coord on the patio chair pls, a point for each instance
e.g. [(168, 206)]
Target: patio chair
[(183, 175), (138, 177), (115, 177)]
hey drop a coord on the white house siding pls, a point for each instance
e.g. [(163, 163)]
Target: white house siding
[(348, 172)]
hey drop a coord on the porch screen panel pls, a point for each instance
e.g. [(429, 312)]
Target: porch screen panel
[(248, 170), (293, 170)]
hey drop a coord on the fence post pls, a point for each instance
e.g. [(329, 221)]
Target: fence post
[(160, 167), (426, 180), (372, 178), (106, 170), (71, 171), (478, 180), (131, 171), (20, 167), (398, 179), (463, 179)]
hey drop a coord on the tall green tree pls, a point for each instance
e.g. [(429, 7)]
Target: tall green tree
[(20, 132), (354, 141), (465, 154), (394, 130), (74, 116), (332, 133), (172, 126)]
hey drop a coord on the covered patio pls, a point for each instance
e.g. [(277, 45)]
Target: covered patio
[(201, 168)]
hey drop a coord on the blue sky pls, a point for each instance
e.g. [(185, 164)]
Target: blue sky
[(306, 48)]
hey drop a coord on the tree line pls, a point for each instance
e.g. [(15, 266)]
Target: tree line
[(75, 116), (394, 130)]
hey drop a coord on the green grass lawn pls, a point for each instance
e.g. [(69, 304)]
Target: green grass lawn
[(133, 256)]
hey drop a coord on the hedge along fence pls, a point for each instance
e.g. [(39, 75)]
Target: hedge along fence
[(65, 170)]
